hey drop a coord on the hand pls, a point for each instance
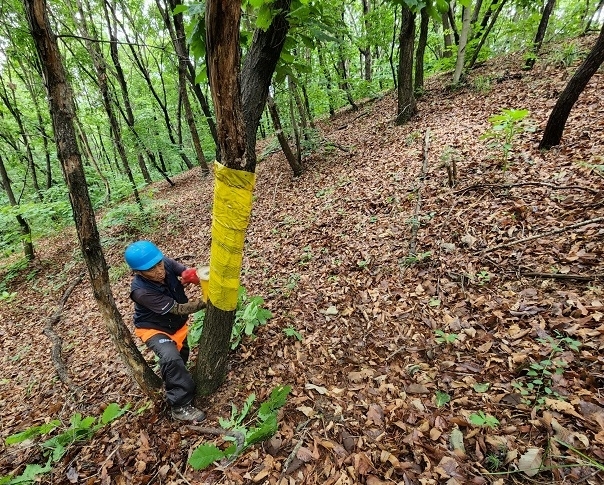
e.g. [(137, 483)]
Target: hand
[(189, 276)]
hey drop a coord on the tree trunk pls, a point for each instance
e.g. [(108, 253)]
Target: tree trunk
[(100, 67), (406, 99), (329, 82), (294, 164), (63, 113), (234, 103), (421, 50), (557, 119), (447, 36), (463, 43), (129, 115), (547, 11), (177, 33), (367, 50), (485, 34), (28, 247), (293, 89), (182, 82), (162, 103)]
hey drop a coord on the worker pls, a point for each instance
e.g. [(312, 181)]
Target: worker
[(161, 311)]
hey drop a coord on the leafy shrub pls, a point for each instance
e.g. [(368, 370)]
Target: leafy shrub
[(249, 315), (258, 428)]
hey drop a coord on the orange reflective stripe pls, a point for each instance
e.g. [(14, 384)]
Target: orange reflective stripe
[(179, 337)]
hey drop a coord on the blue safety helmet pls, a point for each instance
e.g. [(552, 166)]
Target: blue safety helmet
[(142, 255)]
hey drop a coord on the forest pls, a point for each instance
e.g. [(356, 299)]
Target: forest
[(410, 196)]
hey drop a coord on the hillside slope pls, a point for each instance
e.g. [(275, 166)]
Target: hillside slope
[(424, 309)]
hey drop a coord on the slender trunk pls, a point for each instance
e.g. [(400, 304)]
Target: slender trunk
[(448, 38), (129, 115), (328, 81), (591, 18), (421, 50), (293, 89), (201, 159), (367, 50), (63, 113), (485, 34), (100, 67), (392, 44), (293, 161), (545, 15), (86, 145), (162, 103), (463, 43), (295, 128), (28, 247)]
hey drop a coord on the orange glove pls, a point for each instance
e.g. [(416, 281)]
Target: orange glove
[(188, 276)]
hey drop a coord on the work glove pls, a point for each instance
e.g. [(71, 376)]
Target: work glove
[(188, 276)]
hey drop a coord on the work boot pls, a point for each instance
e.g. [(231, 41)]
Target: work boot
[(188, 413)]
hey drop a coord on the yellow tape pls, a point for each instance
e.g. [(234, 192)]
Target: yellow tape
[(230, 218)]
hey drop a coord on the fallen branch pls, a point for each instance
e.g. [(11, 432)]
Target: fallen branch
[(57, 341), (523, 184), (560, 276), (416, 224), (545, 234)]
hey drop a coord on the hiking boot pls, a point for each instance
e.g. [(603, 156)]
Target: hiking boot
[(188, 413)]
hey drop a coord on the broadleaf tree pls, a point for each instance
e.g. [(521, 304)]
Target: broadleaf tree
[(239, 93)]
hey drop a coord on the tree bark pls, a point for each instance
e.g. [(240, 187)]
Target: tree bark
[(406, 99), (447, 36), (557, 119), (547, 11), (62, 113)]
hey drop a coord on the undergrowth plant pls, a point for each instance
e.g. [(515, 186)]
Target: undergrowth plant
[(54, 448), (504, 128), (537, 385), (249, 315), (249, 428)]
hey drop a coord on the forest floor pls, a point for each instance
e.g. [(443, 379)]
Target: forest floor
[(448, 334)]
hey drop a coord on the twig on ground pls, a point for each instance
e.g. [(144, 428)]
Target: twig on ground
[(422, 177), (560, 276), (179, 473), (523, 184), (545, 234), (57, 341)]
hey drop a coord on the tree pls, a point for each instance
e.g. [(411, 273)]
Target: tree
[(239, 102), (486, 26), (62, 111), (557, 118), (547, 11), (407, 104), (463, 41)]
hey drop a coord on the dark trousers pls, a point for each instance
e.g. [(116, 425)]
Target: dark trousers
[(180, 387)]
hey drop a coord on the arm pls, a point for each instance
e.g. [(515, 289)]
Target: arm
[(187, 308)]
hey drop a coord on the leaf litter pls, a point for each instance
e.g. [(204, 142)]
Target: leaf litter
[(376, 398)]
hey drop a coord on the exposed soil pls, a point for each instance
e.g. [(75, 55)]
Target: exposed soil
[(367, 259)]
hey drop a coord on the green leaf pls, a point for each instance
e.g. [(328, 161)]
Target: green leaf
[(484, 387), (276, 400), (442, 398), (31, 432), (204, 456), (179, 9), (31, 472), (265, 17), (112, 412), (263, 432)]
